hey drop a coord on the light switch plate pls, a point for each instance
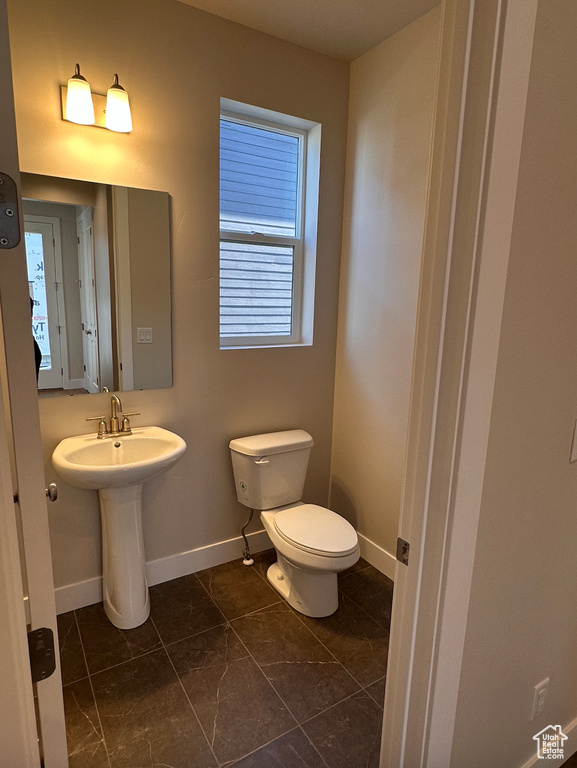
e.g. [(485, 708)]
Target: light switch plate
[(144, 335), (539, 698)]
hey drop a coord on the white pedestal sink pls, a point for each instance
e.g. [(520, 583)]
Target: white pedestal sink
[(116, 467)]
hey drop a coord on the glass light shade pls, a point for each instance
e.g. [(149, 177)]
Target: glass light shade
[(79, 107), (118, 117)]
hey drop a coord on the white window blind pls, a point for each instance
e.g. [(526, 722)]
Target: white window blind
[(260, 211), (256, 287)]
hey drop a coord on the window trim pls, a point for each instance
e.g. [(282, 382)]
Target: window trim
[(304, 256)]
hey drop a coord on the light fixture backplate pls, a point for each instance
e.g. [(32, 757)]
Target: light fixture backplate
[(99, 102)]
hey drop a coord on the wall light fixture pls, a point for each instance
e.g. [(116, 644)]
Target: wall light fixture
[(81, 106), (118, 117)]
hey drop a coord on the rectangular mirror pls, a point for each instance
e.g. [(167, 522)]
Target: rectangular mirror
[(99, 278)]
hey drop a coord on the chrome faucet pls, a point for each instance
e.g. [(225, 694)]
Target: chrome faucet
[(115, 427)]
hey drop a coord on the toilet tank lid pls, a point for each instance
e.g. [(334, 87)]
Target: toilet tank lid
[(272, 442)]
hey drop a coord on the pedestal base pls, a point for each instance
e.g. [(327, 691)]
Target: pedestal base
[(312, 593), (125, 591)]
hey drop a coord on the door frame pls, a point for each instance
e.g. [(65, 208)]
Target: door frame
[(54, 221), (88, 299), (483, 81), (18, 735)]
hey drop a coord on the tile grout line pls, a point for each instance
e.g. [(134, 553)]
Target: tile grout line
[(214, 601), (387, 629), (280, 698), (92, 691), (313, 745), (272, 741), (126, 661), (366, 689), (229, 622), (164, 648), (337, 704), (361, 687), (324, 646), (298, 616), (296, 613)]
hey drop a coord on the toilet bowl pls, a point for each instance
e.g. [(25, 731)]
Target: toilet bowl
[(312, 543)]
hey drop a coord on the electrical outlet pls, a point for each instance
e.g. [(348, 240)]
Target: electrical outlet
[(539, 698)]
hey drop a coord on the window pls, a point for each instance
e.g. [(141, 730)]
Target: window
[(265, 259)]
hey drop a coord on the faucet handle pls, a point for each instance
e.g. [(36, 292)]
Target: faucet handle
[(126, 428), (102, 428)]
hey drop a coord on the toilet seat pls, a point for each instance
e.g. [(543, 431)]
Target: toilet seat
[(317, 530)]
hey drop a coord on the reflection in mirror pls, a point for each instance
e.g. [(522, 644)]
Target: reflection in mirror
[(99, 275)]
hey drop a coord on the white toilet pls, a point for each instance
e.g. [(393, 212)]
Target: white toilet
[(312, 543)]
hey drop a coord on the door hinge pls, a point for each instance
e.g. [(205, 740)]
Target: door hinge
[(9, 220), (403, 551), (42, 656)]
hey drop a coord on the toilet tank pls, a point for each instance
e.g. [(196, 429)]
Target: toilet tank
[(270, 470)]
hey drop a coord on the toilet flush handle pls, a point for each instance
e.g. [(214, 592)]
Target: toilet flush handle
[(264, 460)]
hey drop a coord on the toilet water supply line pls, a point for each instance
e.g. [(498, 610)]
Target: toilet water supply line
[(247, 559)]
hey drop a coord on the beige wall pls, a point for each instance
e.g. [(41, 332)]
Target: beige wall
[(522, 620), (390, 122), (149, 235), (176, 63)]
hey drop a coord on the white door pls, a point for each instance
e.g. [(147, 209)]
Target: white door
[(485, 64), (88, 314), (18, 741), (45, 285)]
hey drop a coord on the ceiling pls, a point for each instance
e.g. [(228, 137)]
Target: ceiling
[(344, 29)]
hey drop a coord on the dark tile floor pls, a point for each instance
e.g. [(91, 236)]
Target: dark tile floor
[(225, 673)]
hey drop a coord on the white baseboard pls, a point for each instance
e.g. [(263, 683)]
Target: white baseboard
[(569, 730), (174, 566), (82, 593), (378, 557)]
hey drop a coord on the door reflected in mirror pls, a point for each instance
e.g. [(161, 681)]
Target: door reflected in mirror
[(98, 261)]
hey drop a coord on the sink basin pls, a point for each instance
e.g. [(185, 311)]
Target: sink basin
[(87, 462)]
